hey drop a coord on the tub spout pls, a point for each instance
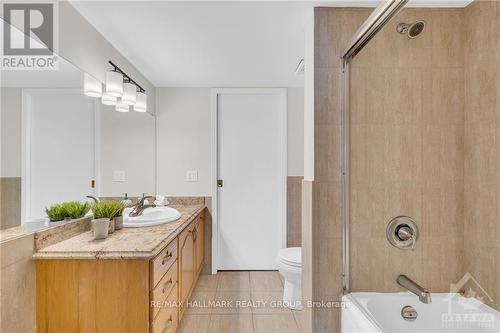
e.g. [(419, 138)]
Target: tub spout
[(423, 294)]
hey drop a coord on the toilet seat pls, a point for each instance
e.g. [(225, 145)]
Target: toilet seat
[(289, 262), (291, 256)]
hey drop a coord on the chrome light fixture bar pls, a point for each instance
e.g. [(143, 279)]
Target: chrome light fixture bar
[(373, 24), (127, 78)]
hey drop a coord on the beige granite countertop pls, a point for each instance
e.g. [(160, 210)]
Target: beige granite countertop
[(12, 233), (127, 243)]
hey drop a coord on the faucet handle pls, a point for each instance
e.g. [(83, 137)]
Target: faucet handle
[(402, 232)]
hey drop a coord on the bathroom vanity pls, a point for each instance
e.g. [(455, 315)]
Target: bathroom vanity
[(136, 280)]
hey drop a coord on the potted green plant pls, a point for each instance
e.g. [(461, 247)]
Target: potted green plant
[(75, 209), (56, 213), (118, 207), (103, 218)]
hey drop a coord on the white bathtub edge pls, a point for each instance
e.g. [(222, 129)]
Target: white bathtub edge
[(355, 318)]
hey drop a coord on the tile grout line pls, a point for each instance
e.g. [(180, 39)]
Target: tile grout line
[(296, 322), (210, 317)]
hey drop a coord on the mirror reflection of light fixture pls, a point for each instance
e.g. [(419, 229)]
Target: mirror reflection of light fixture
[(122, 107), (91, 86), (121, 90), (114, 83), (129, 93), (141, 102), (108, 100)]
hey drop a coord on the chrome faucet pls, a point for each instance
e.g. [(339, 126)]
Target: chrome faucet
[(423, 294), (93, 198), (139, 207)]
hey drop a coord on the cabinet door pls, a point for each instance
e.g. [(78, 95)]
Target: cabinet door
[(187, 262), (200, 243)]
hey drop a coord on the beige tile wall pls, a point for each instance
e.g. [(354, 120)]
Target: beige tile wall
[(332, 28), (418, 148), (10, 202), (407, 152), (294, 209), (17, 293), (482, 146)]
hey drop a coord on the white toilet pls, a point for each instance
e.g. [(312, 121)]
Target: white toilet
[(289, 263)]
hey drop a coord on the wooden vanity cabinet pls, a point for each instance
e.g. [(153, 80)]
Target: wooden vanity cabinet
[(186, 263), (200, 243), (120, 295), (191, 255)]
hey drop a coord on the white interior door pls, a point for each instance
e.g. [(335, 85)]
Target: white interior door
[(59, 143), (252, 167)]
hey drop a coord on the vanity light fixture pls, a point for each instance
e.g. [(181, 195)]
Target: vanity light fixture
[(122, 107), (129, 93), (121, 90), (114, 83), (141, 102), (108, 100), (91, 86)]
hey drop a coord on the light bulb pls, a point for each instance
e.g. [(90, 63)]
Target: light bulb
[(129, 93), (108, 100), (114, 83), (122, 107), (91, 86), (141, 102)]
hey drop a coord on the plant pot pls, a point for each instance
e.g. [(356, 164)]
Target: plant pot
[(100, 228), (111, 226), (53, 223), (118, 222)]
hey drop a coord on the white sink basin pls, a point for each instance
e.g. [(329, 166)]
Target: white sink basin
[(150, 217)]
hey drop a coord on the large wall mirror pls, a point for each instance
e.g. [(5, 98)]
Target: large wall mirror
[(58, 145)]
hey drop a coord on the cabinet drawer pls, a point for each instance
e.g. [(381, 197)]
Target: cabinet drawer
[(163, 289), (162, 262), (167, 319)]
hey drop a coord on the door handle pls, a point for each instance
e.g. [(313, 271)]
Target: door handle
[(220, 183)]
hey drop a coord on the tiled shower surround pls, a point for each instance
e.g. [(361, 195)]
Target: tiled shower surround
[(425, 142)]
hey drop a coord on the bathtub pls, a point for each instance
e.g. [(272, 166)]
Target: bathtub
[(381, 312)]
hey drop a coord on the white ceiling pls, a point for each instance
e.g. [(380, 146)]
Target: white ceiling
[(213, 44)]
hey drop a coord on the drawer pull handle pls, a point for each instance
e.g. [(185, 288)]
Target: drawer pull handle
[(166, 258), (168, 325), (165, 286)]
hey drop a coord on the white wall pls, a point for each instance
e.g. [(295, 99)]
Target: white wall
[(127, 143), (184, 138), (308, 158), (10, 115), (183, 121)]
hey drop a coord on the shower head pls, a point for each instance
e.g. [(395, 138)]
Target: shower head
[(412, 30)]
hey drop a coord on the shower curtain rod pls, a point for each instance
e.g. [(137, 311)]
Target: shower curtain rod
[(373, 24), (376, 21)]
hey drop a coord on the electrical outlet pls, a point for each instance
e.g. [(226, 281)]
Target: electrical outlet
[(119, 176), (192, 176)]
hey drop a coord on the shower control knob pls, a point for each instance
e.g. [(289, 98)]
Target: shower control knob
[(404, 233)]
